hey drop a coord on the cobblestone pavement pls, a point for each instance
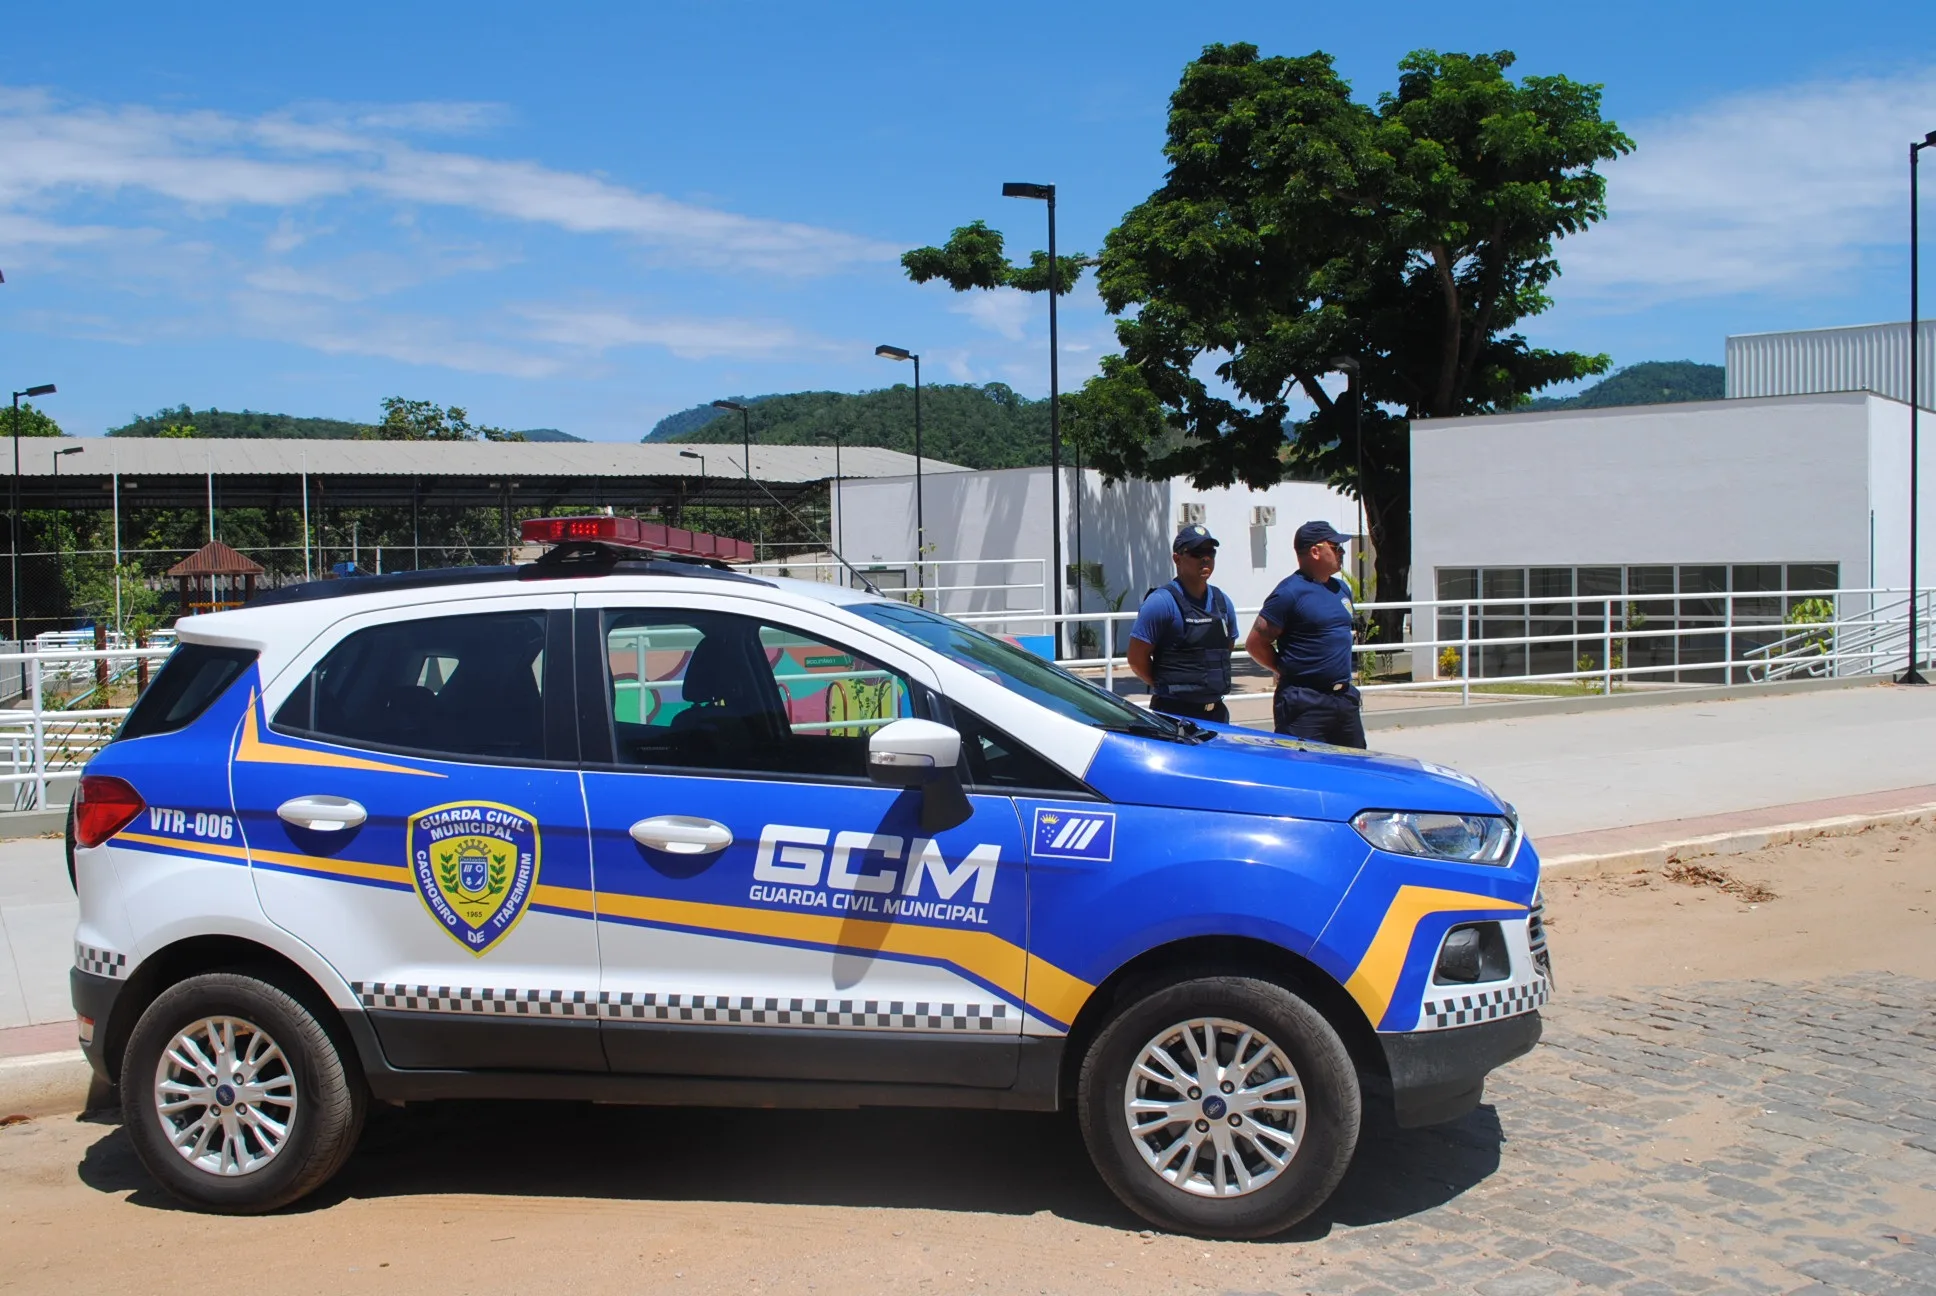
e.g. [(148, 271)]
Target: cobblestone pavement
[(1740, 1137), (1744, 1137)]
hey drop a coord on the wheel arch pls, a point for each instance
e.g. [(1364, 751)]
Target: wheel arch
[(1198, 956), (195, 955)]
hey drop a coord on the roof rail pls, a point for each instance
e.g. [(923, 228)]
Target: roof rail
[(566, 562)]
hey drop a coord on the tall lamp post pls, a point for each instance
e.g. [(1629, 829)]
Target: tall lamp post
[(60, 550), (920, 519), (691, 454), (45, 389), (1350, 368), (840, 514), (746, 436), (1046, 193), (1912, 675)]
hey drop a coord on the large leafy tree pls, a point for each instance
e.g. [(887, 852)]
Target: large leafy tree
[(1295, 226)]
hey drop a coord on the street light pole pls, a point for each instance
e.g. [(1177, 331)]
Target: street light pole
[(746, 434), (690, 454), (1046, 193), (1352, 370), (60, 550), (1912, 675), (920, 518), (840, 511), (13, 523)]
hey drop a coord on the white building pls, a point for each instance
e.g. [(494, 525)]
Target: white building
[(990, 530), (1659, 508), (1867, 357)]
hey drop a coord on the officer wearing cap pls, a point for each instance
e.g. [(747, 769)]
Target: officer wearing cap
[(1184, 633), (1303, 637)]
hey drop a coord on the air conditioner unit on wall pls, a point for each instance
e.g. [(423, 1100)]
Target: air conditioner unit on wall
[(1263, 515), (1190, 514)]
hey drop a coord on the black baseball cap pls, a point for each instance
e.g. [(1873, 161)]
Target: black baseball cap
[(1317, 533), (1194, 536)]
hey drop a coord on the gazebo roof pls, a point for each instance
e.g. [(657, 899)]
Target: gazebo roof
[(217, 559)]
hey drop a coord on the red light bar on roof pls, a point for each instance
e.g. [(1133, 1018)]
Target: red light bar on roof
[(630, 533)]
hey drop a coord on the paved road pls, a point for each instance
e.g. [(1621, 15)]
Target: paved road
[(1577, 773), (37, 917), (1726, 1138)]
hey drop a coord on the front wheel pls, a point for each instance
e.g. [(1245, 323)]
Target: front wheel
[(1224, 1107), (235, 1096)]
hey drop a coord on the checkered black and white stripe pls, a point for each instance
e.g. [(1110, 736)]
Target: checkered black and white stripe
[(100, 962), (723, 1010), (1472, 1006), (484, 1002), (750, 1010)]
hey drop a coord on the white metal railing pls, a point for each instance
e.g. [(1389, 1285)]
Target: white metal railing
[(48, 736), (956, 586), (1743, 636), (60, 721)]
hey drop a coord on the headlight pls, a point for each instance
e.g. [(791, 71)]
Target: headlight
[(1470, 839)]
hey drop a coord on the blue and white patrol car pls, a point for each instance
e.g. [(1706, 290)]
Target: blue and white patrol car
[(639, 830)]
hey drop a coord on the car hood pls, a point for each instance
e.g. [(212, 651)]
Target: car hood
[(1247, 772)]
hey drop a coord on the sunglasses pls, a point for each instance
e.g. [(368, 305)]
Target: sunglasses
[(1202, 553)]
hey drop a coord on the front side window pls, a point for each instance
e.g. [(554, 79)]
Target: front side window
[(713, 691), (1016, 669), (465, 686)]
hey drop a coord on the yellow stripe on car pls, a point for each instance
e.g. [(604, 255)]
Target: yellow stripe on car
[(1378, 971)]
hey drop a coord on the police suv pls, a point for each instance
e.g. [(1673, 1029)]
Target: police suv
[(629, 829)]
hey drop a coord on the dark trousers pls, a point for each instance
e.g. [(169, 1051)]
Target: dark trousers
[(1216, 711), (1321, 716)]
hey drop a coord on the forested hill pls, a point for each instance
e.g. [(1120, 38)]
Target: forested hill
[(251, 424), (977, 427), (1653, 382)]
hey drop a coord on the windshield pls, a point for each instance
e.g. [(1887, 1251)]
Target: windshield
[(1015, 668)]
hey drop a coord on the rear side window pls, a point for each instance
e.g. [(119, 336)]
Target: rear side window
[(470, 686), (192, 678)]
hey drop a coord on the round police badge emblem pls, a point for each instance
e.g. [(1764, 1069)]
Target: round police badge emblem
[(475, 865)]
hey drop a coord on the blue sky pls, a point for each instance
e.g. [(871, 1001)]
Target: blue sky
[(588, 216)]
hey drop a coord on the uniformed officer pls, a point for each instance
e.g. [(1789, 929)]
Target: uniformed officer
[(1303, 637), (1184, 634)]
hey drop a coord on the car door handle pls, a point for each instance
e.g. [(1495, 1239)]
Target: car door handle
[(682, 834), (322, 813)]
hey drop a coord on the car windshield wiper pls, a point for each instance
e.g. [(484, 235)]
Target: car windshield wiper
[(1192, 732)]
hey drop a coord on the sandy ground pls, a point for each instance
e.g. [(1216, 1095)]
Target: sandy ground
[(1840, 904), (510, 1197)]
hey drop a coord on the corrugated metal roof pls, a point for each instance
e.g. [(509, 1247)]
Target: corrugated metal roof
[(1868, 357), (249, 457)]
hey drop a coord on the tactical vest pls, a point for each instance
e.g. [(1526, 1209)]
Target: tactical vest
[(1195, 667)]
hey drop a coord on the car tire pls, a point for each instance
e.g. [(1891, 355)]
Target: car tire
[(211, 1139), (1209, 1165)]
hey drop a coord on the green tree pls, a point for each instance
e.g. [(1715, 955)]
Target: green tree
[(1296, 225), (416, 420), (178, 431), (33, 422)]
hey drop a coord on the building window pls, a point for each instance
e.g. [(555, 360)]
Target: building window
[(1670, 624)]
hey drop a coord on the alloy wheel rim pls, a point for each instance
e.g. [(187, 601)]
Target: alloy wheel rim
[(1215, 1107), (226, 1096)]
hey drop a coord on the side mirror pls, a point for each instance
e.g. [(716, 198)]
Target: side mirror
[(922, 754), (912, 753)]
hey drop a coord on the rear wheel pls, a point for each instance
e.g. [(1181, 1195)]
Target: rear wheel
[(1223, 1106), (236, 1097)]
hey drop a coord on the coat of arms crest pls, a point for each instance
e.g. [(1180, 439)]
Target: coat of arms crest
[(474, 864)]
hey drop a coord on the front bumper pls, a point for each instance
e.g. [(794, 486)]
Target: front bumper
[(94, 997), (1440, 1075)]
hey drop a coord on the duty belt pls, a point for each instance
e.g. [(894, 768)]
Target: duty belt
[(1338, 687), (1206, 707)]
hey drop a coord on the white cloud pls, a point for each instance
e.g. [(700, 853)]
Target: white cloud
[(1784, 190), (597, 330), (209, 162), (1004, 311), (418, 340)]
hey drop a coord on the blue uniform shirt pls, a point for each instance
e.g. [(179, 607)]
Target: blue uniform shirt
[(1314, 629), (1157, 621)]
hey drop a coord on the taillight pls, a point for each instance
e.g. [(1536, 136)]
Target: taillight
[(103, 807)]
